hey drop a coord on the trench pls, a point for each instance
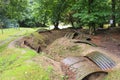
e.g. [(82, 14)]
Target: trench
[(45, 38), (39, 40)]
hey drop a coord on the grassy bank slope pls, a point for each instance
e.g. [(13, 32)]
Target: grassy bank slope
[(15, 63)]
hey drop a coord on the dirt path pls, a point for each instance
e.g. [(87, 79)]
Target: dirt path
[(12, 37), (6, 41), (13, 44)]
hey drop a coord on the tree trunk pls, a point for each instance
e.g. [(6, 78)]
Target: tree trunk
[(89, 5), (71, 20), (79, 23), (56, 25), (101, 25), (72, 23), (113, 13), (92, 29), (1, 29), (45, 19), (91, 25)]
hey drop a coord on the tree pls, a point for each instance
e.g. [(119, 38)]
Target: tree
[(67, 15), (113, 12), (58, 8), (13, 9), (1, 26), (42, 11), (117, 12), (92, 13)]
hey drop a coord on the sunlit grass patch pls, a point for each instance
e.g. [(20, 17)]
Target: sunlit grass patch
[(26, 72), (10, 58), (3, 47), (12, 32), (14, 65)]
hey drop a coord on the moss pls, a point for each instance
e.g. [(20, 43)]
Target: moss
[(113, 75), (74, 48), (39, 39)]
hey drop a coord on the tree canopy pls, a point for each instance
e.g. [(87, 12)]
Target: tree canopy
[(79, 13)]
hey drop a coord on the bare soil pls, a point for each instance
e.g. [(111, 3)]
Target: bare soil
[(109, 40)]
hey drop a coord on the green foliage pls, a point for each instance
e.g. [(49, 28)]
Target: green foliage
[(44, 12), (13, 8), (57, 10), (93, 13), (117, 11)]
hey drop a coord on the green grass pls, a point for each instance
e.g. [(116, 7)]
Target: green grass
[(16, 63), (26, 72), (3, 47), (114, 75), (11, 32)]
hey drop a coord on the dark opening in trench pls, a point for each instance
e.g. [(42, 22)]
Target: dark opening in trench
[(96, 76)]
